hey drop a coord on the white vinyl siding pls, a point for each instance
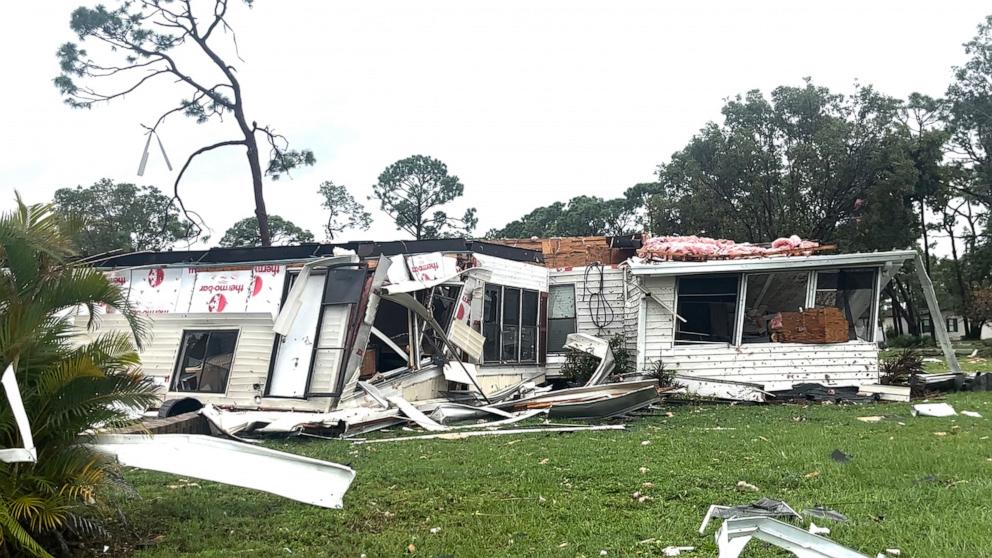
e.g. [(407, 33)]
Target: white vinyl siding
[(773, 365), (250, 366), (327, 363), (589, 306), (514, 274)]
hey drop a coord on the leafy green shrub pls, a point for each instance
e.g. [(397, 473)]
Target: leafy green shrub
[(579, 366), (665, 376), (906, 341), (68, 389), (621, 356)]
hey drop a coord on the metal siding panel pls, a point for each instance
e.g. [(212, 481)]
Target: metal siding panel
[(251, 358), (515, 274), (613, 292), (332, 334), (780, 365)]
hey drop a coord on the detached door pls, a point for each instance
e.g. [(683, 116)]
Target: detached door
[(291, 368)]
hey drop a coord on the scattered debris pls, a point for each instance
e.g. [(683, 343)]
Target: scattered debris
[(973, 414), (461, 435), (818, 393), (840, 457), (589, 402), (720, 389), (641, 497), (825, 513), (747, 486), (814, 529), (933, 410), (736, 532), (676, 550), (765, 507), (446, 413), (871, 419), (886, 392)]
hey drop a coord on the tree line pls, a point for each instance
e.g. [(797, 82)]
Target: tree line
[(119, 217), (864, 170)]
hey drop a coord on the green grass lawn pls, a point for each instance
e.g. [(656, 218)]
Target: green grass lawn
[(906, 487)]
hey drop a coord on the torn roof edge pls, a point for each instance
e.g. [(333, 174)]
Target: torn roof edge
[(643, 267), (308, 251)]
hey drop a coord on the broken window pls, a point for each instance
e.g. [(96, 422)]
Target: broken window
[(490, 323), (205, 358), (510, 324), (853, 291), (441, 301), (767, 295), (528, 326), (509, 334), (708, 303), (952, 325), (561, 318)]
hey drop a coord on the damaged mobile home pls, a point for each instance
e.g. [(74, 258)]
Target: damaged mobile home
[(303, 328), (321, 328)]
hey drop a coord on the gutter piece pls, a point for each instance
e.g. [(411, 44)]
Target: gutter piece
[(304, 479)]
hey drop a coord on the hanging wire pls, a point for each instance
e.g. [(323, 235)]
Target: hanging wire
[(600, 310)]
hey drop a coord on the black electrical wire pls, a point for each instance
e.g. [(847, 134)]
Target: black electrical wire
[(600, 310)]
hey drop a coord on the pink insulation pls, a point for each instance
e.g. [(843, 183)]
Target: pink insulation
[(701, 247)]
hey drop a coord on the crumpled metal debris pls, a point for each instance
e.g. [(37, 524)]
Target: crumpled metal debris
[(765, 507), (820, 512)]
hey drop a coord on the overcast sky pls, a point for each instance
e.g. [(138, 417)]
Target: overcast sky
[(527, 102)]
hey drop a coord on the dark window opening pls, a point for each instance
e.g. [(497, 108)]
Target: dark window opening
[(510, 332), (205, 359), (952, 325), (391, 320), (925, 325), (442, 302), (561, 316), (853, 291), (528, 326), (344, 286), (767, 295), (490, 323), (708, 303), (509, 323)]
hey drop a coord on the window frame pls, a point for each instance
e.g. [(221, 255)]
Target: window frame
[(811, 289), (737, 318), (947, 324), (574, 319), (181, 353), (519, 325)]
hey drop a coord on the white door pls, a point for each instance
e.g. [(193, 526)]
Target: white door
[(295, 350)]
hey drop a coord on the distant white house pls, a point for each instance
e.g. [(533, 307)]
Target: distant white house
[(954, 323)]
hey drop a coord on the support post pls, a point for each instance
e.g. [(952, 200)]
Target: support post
[(936, 318)]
